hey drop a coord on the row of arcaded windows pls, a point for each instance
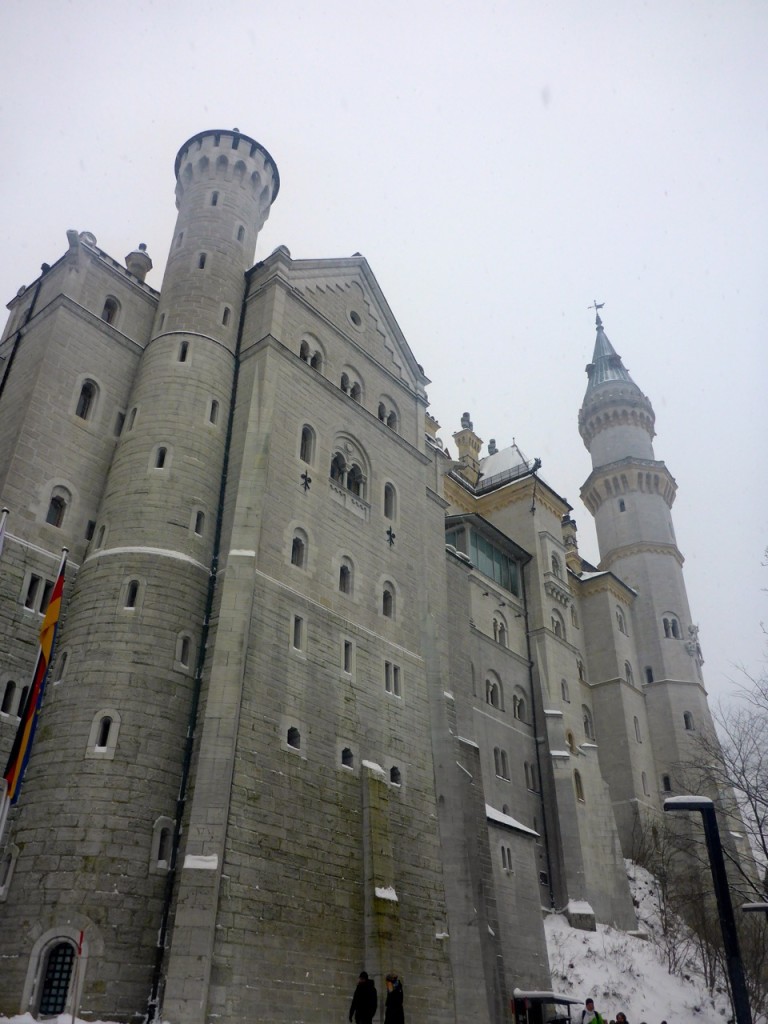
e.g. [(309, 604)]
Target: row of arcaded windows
[(350, 383), (344, 472)]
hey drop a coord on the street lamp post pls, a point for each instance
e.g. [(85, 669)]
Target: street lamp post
[(706, 808)]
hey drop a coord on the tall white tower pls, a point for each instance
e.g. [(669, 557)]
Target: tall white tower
[(630, 494)]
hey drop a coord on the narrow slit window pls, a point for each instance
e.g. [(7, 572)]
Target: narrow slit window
[(347, 656), (225, 316), (201, 261), (183, 351), (199, 523), (132, 594), (213, 416), (298, 633), (102, 740), (214, 199), (160, 458)]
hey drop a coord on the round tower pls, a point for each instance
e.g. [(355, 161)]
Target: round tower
[(107, 764), (630, 494)]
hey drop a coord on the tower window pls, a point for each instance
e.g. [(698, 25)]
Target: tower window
[(225, 315), (183, 351), (345, 577), (185, 645), (56, 978), (131, 594), (102, 740), (579, 786), (688, 721), (214, 199), (110, 310), (240, 233), (56, 509), (622, 505), (648, 674), (307, 444), (160, 457), (347, 758), (390, 501), (293, 738), (86, 403), (299, 549), (213, 415), (201, 261), (199, 522), (394, 775), (388, 601)]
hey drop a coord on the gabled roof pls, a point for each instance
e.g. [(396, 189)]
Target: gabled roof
[(351, 277)]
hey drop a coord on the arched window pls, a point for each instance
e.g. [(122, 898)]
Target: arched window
[(338, 469), (502, 634), (579, 786), (390, 501), (648, 674), (382, 412), (580, 668), (493, 693), (675, 629), (570, 739), (638, 736), (557, 566), (294, 738), (131, 594), (394, 775), (586, 717), (564, 692), (388, 601), (299, 549), (160, 457), (629, 674), (518, 707), (316, 362), (304, 351), (345, 576), (307, 444), (110, 310), (392, 420), (57, 975), (164, 847), (688, 721), (183, 351), (558, 626), (22, 705), (57, 507), (574, 617), (620, 620), (355, 392), (347, 758), (8, 697), (344, 383), (86, 403), (214, 198), (355, 481), (102, 739)]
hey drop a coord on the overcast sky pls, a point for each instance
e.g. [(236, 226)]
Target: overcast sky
[(501, 165)]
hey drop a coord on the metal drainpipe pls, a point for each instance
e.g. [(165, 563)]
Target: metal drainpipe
[(19, 331), (538, 745), (157, 973)]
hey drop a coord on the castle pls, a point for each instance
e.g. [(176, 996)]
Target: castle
[(323, 697)]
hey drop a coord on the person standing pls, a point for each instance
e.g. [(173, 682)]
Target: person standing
[(364, 1000), (589, 1014), (393, 1008)]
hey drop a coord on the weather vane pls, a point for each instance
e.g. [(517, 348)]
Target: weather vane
[(597, 306)]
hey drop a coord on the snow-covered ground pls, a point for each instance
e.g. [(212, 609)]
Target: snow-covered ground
[(619, 971), (625, 972)]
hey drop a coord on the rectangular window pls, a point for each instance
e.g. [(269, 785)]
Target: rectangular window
[(392, 678), (119, 423), (33, 587), (346, 658), (298, 633), (492, 562)]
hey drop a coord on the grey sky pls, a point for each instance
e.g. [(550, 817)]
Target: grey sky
[(500, 165)]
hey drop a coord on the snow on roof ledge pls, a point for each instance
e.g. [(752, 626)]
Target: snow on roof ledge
[(553, 713), (375, 768), (386, 892), (688, 802), (540, 996), (559, 753), (579, 907), (504, 819)]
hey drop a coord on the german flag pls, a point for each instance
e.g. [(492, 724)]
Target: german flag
[(25, 734)]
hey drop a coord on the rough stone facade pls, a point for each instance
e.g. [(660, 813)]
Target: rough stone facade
[(324, 699)]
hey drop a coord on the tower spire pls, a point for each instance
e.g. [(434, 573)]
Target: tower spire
[(606, 363)]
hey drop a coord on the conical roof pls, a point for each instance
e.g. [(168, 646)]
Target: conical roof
[(606, 365)]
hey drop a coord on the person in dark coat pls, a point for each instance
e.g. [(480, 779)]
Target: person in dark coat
[(364, 1001), (393, 1009)]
